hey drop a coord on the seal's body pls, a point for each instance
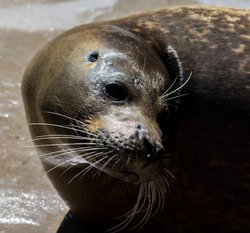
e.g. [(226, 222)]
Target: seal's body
[(98, 100)]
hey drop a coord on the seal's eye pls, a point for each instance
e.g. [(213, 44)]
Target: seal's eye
[(93, 57), (116, 91)]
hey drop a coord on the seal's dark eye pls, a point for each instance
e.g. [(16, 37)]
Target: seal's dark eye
[(116, 91), (93, 57)]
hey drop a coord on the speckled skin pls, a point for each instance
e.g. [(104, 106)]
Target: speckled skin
[(212, 139), (211, 134)]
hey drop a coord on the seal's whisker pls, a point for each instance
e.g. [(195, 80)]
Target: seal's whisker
[(63, 137), (58, 136), (117, 161), (128, 159), (130, 214), (169, 159), (145, 203), (149, 198), (165, 94), (175, 97), (180, 87), (163, 184), (61, 127), (49, 124), (145, 196), (150, 203), (108, 161), (89, 167), (53, 153), (156, 198), (55, 135), (167, 182), (68, 168), (167, 136), (101, 169), (67, 161), (87, 148), (59, 165), (169, 173), (65, 116), (79, 173), (91, 155), (86, 170), (59, 154), (159, 195), (64, 144)]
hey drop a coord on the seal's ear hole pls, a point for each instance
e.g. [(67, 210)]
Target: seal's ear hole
[(116, 91), (93, 57)]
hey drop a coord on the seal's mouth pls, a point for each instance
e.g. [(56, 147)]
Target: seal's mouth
[(126, 158), (133, 166), (129, 158)]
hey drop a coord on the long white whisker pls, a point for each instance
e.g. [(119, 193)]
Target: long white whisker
[(175, 97), (159, 195), (117, 161), (170, 93), (72, 137), (67, 161), (84, 171), (149, 207), (166, 92), (89, 156), (135, 210), (108, 161), (59, 165), (87, 148), (78, 174), (49, 124), (63, 144), (62, 152), (170, 173), (61, 127), (67, 117)]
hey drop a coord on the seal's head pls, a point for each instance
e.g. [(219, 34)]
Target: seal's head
[(102, 89), (93, 97)]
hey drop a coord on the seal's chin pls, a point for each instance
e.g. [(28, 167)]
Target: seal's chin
[(136, 172)]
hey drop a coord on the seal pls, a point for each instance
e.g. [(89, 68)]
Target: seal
[(107, 108)]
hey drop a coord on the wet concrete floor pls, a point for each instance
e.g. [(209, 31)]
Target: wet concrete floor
[(28, 203)]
